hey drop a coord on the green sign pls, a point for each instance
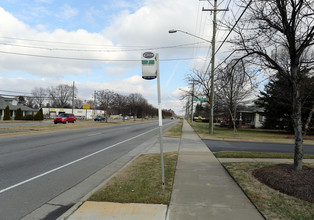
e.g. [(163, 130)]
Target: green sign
[(148, 62), (201, 99)]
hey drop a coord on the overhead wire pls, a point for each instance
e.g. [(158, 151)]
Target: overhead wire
[(103, 50), (235, 24), (93, 59), (199, 31)]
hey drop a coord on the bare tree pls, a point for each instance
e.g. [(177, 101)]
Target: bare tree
[(284, 24), (105, 100), (120, 104), (61, 95), (201, 81), (39, 95), (233, 86), (136, 102), (200, 88)]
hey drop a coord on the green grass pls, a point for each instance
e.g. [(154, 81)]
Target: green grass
[(234, 154), (246, 134), (271, 203), (175, 130), (140, 181)]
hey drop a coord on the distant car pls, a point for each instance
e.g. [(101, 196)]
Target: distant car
[(99, 118), (65, 118)]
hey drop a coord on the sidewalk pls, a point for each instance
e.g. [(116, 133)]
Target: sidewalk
[(202, 187), (202, 190)]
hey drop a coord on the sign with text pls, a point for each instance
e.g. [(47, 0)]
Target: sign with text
[(149, 65), (86, 106)]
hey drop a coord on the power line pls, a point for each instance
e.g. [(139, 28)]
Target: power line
[(102, 50), (228, 36), (234, 25), (93, 59), (13, 91)]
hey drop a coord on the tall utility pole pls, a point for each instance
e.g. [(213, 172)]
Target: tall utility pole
[(211, 118), (94, 103), (73, 96), (192, 101)]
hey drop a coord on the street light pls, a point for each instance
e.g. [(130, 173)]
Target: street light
[(211, 119), (175, 31)]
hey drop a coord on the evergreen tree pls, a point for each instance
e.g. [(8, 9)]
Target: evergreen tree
[(39, 115), (277, 100), (6, 113), (19, 114)]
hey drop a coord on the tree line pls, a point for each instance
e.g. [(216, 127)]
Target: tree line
[(113, 103)]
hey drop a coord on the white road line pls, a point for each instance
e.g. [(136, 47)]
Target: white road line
[(68, 164), (93, 134)]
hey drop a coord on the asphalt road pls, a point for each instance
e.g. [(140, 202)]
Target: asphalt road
[(36, 169), (216, 146), (33, 123)]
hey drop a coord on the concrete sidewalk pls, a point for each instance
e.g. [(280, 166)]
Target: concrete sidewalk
[(202, 187)]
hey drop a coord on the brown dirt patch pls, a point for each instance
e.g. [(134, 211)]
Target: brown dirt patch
[(285, 179)]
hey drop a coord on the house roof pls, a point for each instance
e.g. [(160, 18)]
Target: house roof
[(4, 104), (250, 109)]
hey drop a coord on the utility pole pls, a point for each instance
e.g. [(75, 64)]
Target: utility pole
[(211, 118), (94, 103), (73, 96), (192, 101)]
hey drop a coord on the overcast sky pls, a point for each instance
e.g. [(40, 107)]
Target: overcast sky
[(98, 44)]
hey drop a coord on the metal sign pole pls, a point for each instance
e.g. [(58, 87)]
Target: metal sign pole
[(150, 70), (160, 125)]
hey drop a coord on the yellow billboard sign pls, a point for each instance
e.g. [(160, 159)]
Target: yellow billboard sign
[(86, 106)]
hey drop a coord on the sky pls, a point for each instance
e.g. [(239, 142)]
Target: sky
[(98, 45)]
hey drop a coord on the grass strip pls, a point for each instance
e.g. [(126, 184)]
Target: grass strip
[(247, 134), (140, 181), (175, 131), (234, 154), (271, 203)]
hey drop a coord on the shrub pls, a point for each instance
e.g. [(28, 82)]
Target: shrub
[(7, 113), (28, 117)]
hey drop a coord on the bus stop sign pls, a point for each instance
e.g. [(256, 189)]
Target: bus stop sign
[(149, 65)]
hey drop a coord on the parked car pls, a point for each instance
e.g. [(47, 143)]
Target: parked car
[(99, 118), (65, 118)]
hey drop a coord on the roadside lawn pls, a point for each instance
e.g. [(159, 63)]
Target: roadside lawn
[(140, 181), (271, 203), (247, 134), (175, 131)]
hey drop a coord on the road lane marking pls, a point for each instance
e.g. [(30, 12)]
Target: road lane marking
[(90, 135), (75, 161)]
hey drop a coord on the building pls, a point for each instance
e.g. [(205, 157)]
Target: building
[(13, 106), (251, 116)]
